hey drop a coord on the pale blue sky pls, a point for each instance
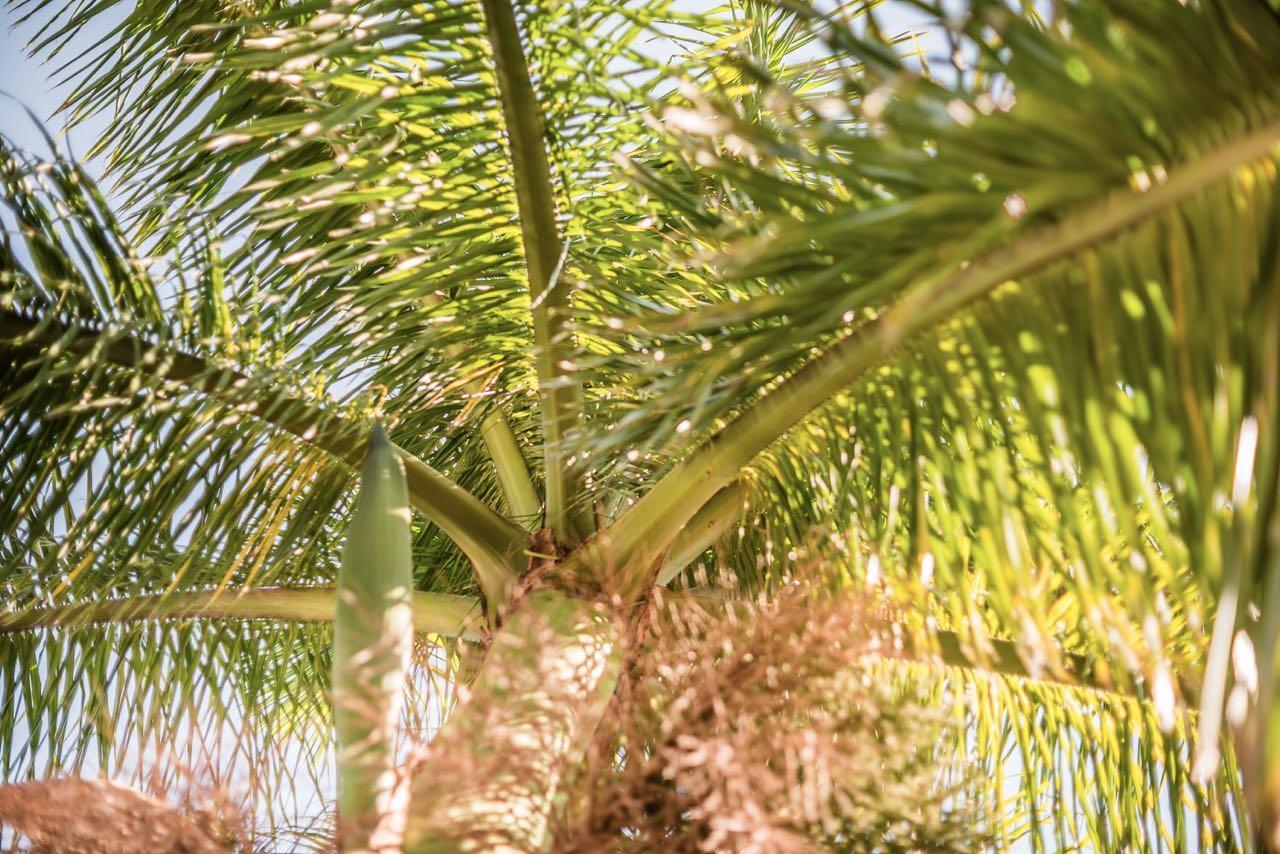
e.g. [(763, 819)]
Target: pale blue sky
[(30, 82)]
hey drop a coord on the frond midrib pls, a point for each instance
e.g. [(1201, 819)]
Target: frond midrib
[(560, 395), (641, 534), (444, 614), (494, 543), (454, 616)]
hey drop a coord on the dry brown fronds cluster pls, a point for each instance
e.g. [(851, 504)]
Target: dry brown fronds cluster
[(99, 816), (770, 726)]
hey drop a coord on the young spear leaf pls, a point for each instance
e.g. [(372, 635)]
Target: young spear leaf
[(372, 636)]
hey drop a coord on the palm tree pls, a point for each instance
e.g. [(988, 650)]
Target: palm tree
[(648, 296)]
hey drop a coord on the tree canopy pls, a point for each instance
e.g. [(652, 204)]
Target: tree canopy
[(979, 315)]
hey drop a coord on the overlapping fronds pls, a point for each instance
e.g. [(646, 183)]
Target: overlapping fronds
[(355, 162), (240, 705), (1041, 315), (994, 332), (120, 477), (1078, 426), (351, 161), (152, 447), (124, 387), (832, 189)]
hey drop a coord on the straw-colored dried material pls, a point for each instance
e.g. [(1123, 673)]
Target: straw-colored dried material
[(772, 728), (72, 815)]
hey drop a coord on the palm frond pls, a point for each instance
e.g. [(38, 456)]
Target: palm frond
[(1064, 768), (351, 160), (239, 705), (1053, 422), (200, 459), (1062, 405), (831, 188)]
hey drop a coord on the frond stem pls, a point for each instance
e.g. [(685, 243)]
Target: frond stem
[(560, 394), (706, 527), (494, 544), (455, 616), (513, 471), (435, 613), (641, 535)]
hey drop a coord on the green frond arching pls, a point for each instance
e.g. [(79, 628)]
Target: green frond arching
[(130, 414), (831, 188), (351, 162), (1062, 768), (1005, 389), (137, 445), (154, 451), (1077, 454), (355, 164)]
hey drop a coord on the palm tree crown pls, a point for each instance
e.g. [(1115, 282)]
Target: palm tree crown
[(982, 315)]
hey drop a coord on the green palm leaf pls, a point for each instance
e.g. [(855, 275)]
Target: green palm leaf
[(747, 292)]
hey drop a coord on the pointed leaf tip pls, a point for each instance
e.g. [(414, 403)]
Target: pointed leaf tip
[(378, 438)]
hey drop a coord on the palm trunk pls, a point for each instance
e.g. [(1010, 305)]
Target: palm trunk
[(491, 777)]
